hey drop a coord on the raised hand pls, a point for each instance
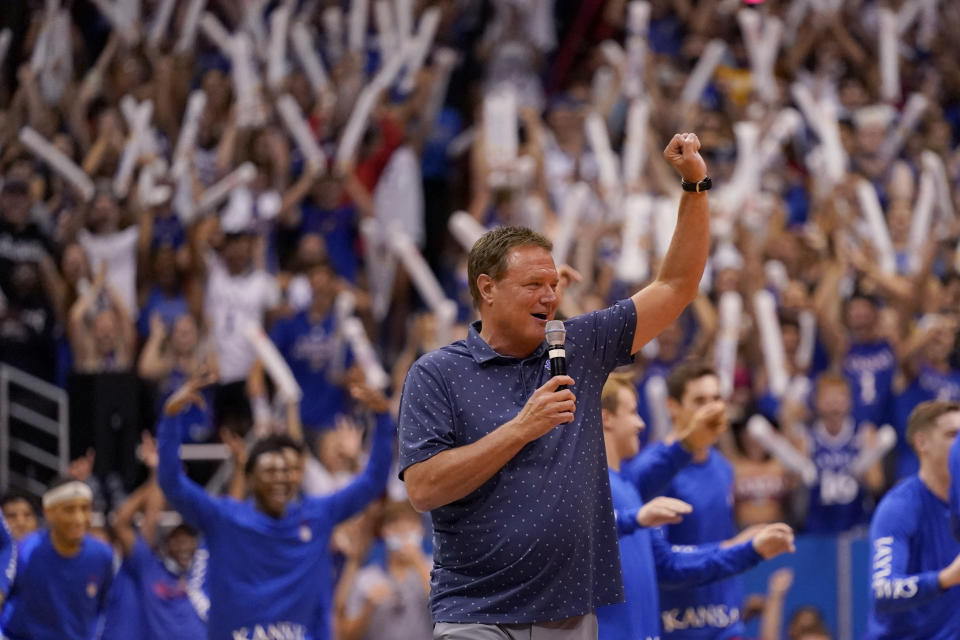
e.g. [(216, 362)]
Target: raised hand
[(708, 423), (683, 153), (773, 540), (189, 393), (236, 445), (148, 450), (780, 581), (568, 275), (546, 409), (82, 468), (369, 397), (158, 328), (662, 510)]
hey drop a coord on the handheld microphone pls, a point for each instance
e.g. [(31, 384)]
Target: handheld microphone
[(556, 336)]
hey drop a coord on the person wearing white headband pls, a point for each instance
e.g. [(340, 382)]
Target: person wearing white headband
[(60, 574)]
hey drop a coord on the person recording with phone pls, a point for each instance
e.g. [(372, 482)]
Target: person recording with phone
[(511, 467)]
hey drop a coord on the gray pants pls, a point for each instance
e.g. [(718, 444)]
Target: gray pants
[(579, 628)]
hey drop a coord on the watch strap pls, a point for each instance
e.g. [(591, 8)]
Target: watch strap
[(696, 187)]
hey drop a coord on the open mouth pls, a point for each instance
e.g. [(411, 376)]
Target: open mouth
[(539, 316)]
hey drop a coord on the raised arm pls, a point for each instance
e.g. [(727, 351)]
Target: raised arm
[(123, 528), (196, 505), (659, 303), (372, 481), (654, 468)]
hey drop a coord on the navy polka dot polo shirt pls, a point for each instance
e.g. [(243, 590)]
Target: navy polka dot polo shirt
[(536, 542)]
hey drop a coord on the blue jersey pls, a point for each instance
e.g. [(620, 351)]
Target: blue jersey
[(711, 611), (929, 384), (168, 610), (57, 598), (8, 558), (316, 357), (267, 575), (837, 499), (123, 617), (646, 559), (869, 368), (954, 462), (911, 542)]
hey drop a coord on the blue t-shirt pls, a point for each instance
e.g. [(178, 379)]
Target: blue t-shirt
[(315, 356), (267, 576), (837, 499), (929, 384), (168, 231), (197, 423), (8, 559), (647, 560), (57, 598), (954, 462), (167, 608), (537, 541), (169, 307), (337, 228), (869, 368), (711, 611), (123, 617), (911, 542)]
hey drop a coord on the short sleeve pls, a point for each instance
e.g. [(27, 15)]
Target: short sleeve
[(426, 423), (607, 333)]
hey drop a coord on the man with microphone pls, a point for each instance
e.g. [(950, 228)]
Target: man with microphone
[(513, 468)]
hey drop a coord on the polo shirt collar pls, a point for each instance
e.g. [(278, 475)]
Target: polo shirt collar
[(483, 353)]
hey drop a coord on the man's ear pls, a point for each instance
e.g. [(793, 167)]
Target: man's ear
[(673, 407), (920, 442), (485, 285), (605, 416)]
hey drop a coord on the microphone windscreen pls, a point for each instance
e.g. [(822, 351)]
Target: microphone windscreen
[(556, 334)]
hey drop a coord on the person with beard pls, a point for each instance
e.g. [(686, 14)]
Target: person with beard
[(317, 355), (269, 562), (237, 293), (21, 240), (28, 323)]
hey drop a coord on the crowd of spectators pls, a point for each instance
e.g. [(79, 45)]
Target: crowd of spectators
[(148, 279)]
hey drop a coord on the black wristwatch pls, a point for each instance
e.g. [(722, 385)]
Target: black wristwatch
[(697, 187)]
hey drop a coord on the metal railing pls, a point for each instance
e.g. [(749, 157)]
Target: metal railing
[(27, 443)]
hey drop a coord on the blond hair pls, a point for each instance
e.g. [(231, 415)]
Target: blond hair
[(610, 395)]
